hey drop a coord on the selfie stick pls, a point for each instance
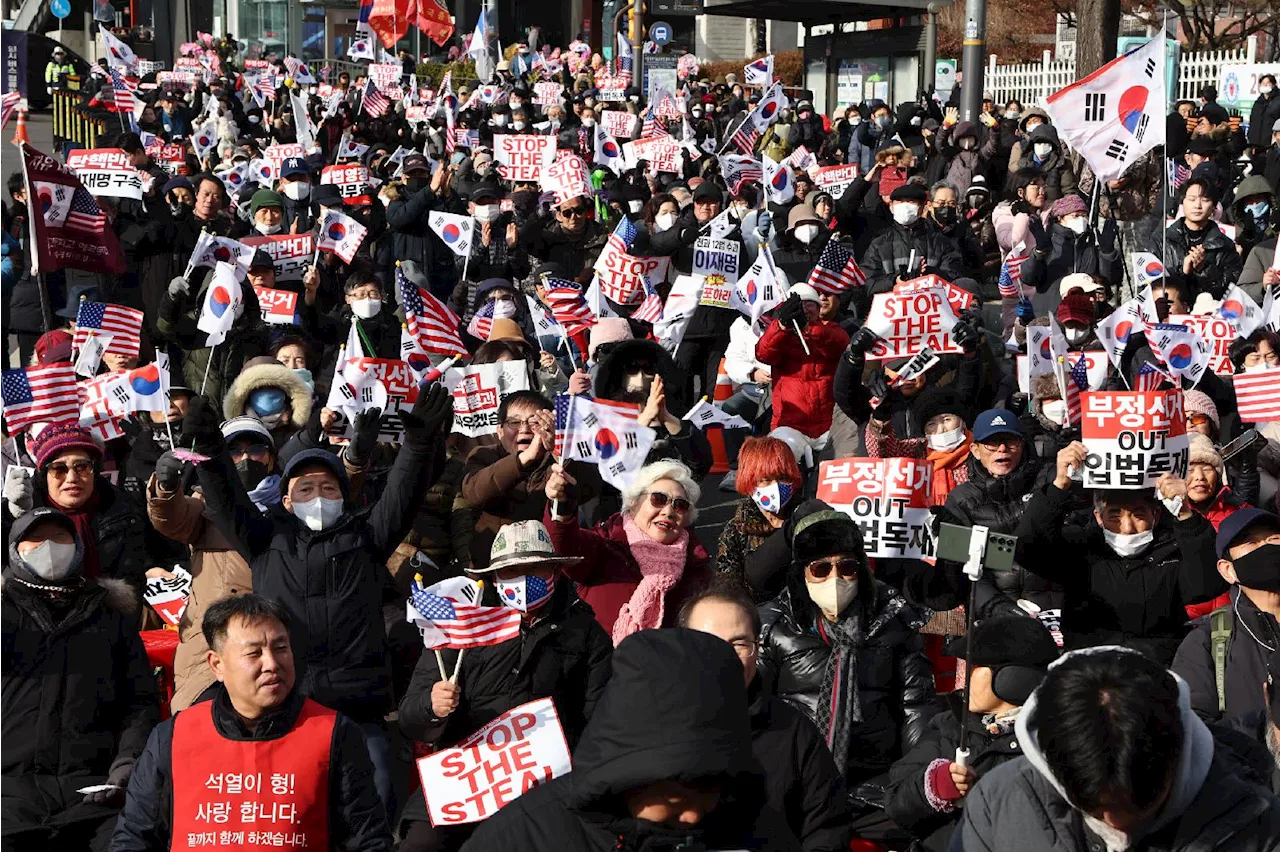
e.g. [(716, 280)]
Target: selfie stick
[(973, 570)]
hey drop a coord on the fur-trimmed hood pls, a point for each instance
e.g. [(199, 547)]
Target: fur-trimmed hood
[(267, 372)]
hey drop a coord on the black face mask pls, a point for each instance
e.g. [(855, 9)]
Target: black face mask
[(946, 216), (251, 472), (1259, 568)]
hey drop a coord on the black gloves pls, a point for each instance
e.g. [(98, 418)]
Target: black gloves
[(965, 337), (792, 310), (1039, 234), (365, 427), (202, 426), (169, 472), (430, 414)]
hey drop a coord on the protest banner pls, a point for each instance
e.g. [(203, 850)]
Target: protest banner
[(386, 75), (567, 178), (1217, 332), (662, 153), (106, 172), (906, 323), (1096, 366), (889, 500), (290, 253), (546, 93), (959, 298), (617, 123), (277, 306), (497, 764), (622, 275), (834, 180), (717, 291), (478, 391), (351, 180), (716, 257), (1133, 437), (523, 158)]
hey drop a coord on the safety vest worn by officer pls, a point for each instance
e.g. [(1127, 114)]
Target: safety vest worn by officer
[(230, 794)]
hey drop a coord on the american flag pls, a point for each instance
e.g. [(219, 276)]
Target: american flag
[(1258, 395), (122, 93), (624, 235), (1077, 382), (745, 137), (375, 103), (650, 309), (1149, 378), (124, 324), (482, 322), (9, 105), (450, 617), (836, 271), (1010, 282), (39, 394), (429, 320), (84, 214), (568, 308)]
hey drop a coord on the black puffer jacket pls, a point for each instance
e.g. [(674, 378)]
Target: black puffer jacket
[(1222, 263), (78, 697), (895, 682), (675, 708), (997, 503), (564, 656), (1110, 599), (890, 252)]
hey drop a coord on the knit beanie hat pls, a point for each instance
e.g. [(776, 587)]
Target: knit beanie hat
[(1198, 402), (1202, 451), (60, 437)]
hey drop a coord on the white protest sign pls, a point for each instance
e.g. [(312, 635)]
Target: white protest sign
[(506, 758), (1132, 437), (523, 158), (716, 257), (906, 323), (478, 391), (889, 500)]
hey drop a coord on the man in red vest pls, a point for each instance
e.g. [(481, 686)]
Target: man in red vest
[(259, 764)]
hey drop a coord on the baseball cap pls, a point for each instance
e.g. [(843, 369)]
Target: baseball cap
[(1235, 524), (996, 421)]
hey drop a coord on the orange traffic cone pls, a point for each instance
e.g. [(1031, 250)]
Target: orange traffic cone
[(715, 434), (20, 133)]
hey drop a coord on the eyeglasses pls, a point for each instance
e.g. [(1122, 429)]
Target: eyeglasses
[(659, 500), (61, 469), (571, 212), (822, 568)]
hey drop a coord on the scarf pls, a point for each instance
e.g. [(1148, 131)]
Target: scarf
[(661, 567), (839, 705), (945, 465), (83, 519)]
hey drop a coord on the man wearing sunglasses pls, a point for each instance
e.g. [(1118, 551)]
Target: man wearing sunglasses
[(845, 648)]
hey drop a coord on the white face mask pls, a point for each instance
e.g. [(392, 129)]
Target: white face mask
[(318, 513), (833, 595), (50, 560), (806, 233), (945, 441), (1076, 225), (488, 212), (267, 230), (296, 190), (1055, 411), (1128, 545), (634, 206), (663, 221), (366, 308), (1076, 335), (1042, 149), (905, 214)]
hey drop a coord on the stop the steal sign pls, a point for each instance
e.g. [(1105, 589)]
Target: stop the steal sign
[(506, 758)]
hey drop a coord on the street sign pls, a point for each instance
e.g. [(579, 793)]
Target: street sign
[(60, 8), (660, 33)]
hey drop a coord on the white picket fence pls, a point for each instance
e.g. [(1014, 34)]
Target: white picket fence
[(1032, 82)]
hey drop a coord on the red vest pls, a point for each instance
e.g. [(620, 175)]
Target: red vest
[(247, 795)]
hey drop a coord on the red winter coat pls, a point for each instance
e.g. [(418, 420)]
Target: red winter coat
[(609, 574), (1223, 505), (803, 385)]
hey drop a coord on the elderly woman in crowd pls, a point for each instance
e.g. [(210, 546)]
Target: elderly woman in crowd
[(753, 549), (642, 563)]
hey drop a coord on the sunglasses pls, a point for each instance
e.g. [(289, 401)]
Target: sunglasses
[(821, 569), (570, 212), (61, 469), (659, 500)]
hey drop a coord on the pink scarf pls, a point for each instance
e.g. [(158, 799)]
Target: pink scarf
[(661, 567)]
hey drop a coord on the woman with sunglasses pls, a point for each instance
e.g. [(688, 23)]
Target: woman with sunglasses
[(845, 648), (68, 464), (644, 562)]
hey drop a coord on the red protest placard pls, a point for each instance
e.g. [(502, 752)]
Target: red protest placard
[(523, 158), (889, 498), (1132, 437), (506, 758)]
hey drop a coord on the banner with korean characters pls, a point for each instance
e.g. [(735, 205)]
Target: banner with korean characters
[(1133, 437), (889, 500)]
